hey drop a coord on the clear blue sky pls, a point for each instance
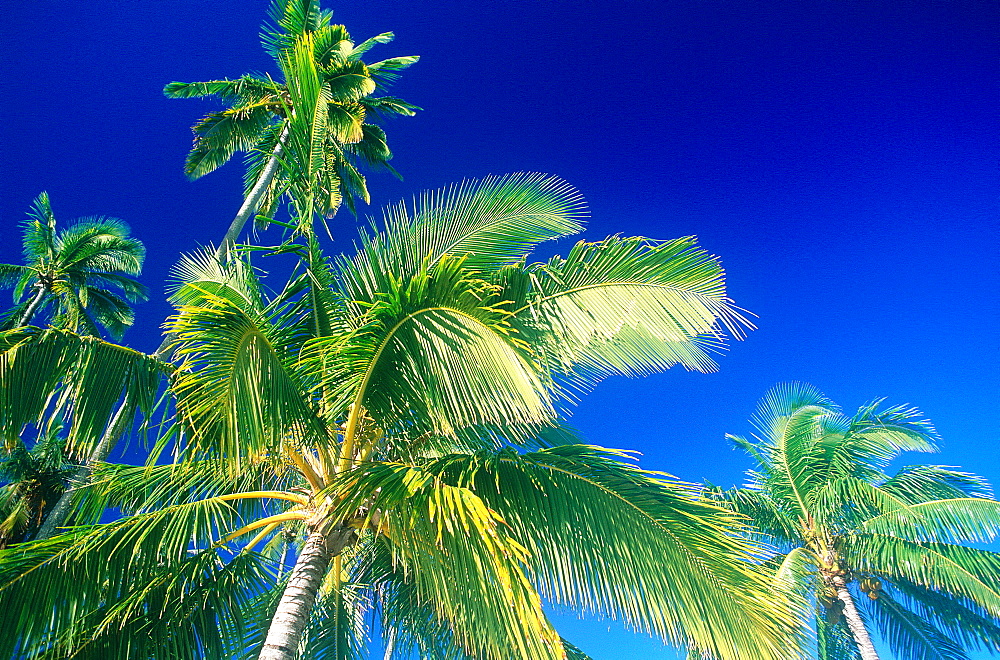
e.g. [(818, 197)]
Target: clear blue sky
[(841, 158)]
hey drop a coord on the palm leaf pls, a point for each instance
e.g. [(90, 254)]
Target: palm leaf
[(910, 636), (968, 573), (492, 223), (137, 573), (610, 539), (229, 358), (623, 305), (961, 620), (435, 352), (460, 558), (948, 521), (917, 483)]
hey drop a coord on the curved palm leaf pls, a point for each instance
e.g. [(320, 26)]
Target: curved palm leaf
[(607, 538)]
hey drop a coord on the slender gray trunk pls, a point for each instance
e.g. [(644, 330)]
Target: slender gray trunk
[(854, 622), (61, 510), (292, 616), (253, 198), (33, 307)]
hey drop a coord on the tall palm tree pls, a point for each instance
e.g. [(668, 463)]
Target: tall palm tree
[(307, 133), (401, 421), (85, 273), (869, 548)]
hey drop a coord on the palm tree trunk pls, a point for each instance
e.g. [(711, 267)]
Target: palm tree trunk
[(33, 307), (292, 616), (61, 509), (854, 622), (253, 197)]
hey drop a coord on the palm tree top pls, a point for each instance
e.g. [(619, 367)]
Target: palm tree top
[(405, 385), (314, 119), (866, 546), (85, 273)]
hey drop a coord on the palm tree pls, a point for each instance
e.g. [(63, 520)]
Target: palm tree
[(864, 546), (75, 271), (304, 135), (394, 412)]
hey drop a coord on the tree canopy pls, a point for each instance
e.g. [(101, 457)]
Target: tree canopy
[(870, 548)]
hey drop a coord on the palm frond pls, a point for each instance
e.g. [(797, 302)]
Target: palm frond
[(492, 223), (10, 274), (909, 636), (246, 88), (39, 230), (607, 538), (91, 376), (624, 305), (387, 71), (920, 483), (967, 573), (461, 559), (289, 20), (435, 352), (228, 358), (200, 277), (219, 135), (140, 573), (957, 520), (961, 620)]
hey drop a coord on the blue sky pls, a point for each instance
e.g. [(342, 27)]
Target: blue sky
[(840, 157)]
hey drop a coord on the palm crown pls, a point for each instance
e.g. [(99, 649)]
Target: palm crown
[(85, 273), (845, 528), (394, 411), (308, 133)]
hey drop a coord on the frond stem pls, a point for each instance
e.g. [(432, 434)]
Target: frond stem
[(264, 522), (271, 494), (300, 462), (260, 536)]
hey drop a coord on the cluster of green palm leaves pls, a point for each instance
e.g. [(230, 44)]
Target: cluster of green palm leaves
[(305, 134), (84, 275), (871, 549), (376, 445), (408, 439)]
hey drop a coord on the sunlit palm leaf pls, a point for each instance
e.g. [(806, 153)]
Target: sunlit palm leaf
[(591, 308), (610, 539), (461, 559), (492, 222)]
